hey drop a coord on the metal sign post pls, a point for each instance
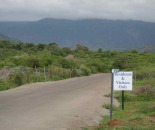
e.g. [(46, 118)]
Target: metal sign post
[(112, 77), (112, 85), (123, 81), (122, 99), (120, 81)]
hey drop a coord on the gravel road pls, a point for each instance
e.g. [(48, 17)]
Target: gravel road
[(57, 105)]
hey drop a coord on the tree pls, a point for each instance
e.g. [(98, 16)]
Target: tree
[(122, 63), (33, 62), (134, 51), (100, 50), (29, 45), (82, 48), (67, 50), (19, 46), (53, 44), (41, 47)]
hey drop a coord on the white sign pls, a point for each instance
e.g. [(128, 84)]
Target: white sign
[(123, 81)]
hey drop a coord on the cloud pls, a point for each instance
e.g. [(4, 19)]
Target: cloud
[(20, 10)]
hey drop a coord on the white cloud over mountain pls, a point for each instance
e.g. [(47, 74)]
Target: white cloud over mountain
[(21, 10)]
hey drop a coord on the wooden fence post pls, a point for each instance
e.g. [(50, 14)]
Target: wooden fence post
[(62, 72), (45, 73), (36, 73), (135, 77), (28, 77), (71, 73), (50, 74)]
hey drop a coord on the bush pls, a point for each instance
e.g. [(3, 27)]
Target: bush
[(147, 108), (85, 71), (97, 66), (145, 73), (128, 96), (93, 70), (134, 51), (18, 79), (66, 63), (108, 106), (122, 62), (145, 93), (4, 85), (33, 62)]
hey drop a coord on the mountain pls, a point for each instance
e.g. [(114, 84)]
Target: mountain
[(94, 33), (3, 37)]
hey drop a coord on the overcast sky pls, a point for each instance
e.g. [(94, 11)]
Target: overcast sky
[(30, 10)]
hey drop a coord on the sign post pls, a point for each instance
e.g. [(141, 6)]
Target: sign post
[(112, 86), (112, 77), (122, 99), (123, 81), (120, 81)]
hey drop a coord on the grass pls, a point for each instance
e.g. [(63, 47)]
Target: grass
[(134, 116), (4, 85), (108, 95), (138, 113), (108, 106)]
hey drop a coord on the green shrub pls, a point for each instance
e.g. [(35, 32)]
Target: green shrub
[(93, 70), (128, 96), (145, 73), (147, 107), (108, 95), (108, 106), (4, 85), (145, 93), (122, 62), (18, 78), (33, 62), (134, 51), (85, 71), (65, 63)]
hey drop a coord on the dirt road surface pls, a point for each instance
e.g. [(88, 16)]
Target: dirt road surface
[(58, 105)]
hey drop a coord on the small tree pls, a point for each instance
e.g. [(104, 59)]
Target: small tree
[(33, 62), (82, 48), (100, 50), (134, 51)]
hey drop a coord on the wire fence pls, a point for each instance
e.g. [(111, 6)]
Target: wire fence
[(22, 75)]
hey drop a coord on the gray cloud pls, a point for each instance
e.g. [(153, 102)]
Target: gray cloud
[(20, 10)]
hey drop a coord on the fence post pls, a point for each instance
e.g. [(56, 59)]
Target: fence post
[(135, 77), (62, 73), (50, 74), (71, 73), (36, 73), (28, 77), (45, 73)]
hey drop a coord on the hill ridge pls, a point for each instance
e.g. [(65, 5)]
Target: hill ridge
[(94, 33)]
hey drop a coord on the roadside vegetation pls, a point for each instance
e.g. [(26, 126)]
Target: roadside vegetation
[(23, 63), (139, 112)]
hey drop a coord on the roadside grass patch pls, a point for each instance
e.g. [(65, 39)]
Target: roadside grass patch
[(148, 107), (108, 106), (131, 118), (138, 113), (107, 95), (4, 85), (128, 96)]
